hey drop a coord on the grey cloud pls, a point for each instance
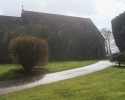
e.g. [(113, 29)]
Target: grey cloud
[(78, 7)]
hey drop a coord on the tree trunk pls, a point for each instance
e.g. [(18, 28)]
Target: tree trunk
[(119, 63)]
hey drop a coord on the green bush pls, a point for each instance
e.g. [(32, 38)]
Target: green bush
[(117, 57), (28, 51)]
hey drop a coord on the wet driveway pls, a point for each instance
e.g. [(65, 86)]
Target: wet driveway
[(54, 77)]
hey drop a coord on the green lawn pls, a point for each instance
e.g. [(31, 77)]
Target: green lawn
[(107, 84), (60, 66), (6, 74)]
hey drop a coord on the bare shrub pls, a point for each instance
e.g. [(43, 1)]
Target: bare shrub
[(28, 51)]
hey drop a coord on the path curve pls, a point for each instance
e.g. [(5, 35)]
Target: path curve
[(54, 77)]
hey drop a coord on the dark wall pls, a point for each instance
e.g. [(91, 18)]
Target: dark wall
[(66, 48), (75, 49), (7, 26)]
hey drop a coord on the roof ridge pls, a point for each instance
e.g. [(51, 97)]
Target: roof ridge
[(9, 16), (55, 14)]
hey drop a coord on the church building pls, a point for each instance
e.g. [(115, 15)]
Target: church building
[(68, 37)]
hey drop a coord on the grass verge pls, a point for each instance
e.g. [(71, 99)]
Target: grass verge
[(6, 74), (107, 84), (60, 66)]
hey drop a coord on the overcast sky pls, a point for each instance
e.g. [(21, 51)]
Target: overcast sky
[(100, 11)]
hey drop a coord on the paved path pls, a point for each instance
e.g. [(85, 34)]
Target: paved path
[(54, 77)]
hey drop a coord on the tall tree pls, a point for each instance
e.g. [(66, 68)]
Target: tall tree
[(107, 36), (118, 30)]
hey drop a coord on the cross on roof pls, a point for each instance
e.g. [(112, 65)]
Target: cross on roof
[(22, 6)]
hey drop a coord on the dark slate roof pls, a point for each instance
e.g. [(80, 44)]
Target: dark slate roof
[(67, 26), (9, 22)]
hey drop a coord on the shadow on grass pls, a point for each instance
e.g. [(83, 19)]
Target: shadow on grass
[(117, 66), (18, 77)]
